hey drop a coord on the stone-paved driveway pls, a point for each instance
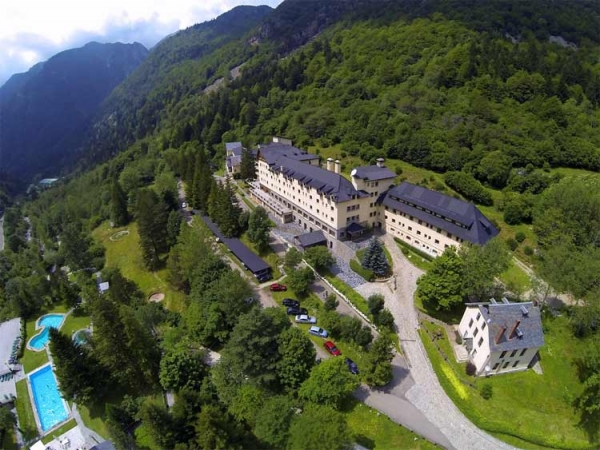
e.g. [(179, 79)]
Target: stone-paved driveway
[(427, 395)]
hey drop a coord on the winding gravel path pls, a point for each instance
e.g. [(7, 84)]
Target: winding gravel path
[(427, 395)]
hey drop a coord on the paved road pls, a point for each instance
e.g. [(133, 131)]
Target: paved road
[(426, 395)]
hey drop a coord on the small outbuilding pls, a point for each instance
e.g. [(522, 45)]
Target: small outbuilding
[(313, 239)]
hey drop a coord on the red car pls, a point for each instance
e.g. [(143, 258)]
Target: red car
[(276, 287), (331, 348)]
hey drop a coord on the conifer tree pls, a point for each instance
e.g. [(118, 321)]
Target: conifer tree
[(80, 376), (374, 258), (152, 227), (118, 205), (247, 165), (258, 228), (173, 227)]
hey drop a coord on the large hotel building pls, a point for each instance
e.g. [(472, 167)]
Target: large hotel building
[(292, 184)]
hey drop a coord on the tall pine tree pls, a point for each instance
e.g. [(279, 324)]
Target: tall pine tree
[(118, 205), (81, 377), (152, 227), (247, 165), (374, 258)]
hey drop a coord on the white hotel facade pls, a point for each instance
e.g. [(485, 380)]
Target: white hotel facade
[(322, 199)]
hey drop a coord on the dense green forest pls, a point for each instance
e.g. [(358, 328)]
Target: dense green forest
[(474, 91)]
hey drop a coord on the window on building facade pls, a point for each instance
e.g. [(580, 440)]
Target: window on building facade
[(495, 366), (476, 332), (478, 316), (513, 353), (480, 342), (506, 364), (471, 323), (523, 352), (418, 232), (483, 326), (516, 363), (409, 228)]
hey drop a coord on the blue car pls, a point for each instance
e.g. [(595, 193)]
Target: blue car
[(317, 331)]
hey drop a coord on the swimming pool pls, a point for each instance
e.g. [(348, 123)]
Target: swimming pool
[(82, 337), (51, 408), (40, 340)]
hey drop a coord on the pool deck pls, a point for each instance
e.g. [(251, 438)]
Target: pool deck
[(9, 331), (41, 328), (38, 423)]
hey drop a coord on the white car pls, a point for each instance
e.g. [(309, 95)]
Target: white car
[(184, 205), (303, 318), (318, 331)]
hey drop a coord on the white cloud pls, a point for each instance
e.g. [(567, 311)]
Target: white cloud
[(33, 30)]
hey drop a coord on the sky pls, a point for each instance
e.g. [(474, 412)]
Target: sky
[(32, 31)]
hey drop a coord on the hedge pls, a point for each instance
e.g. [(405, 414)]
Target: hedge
[(469, 187)]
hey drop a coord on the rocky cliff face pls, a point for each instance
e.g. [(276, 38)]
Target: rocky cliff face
[(44, 111)]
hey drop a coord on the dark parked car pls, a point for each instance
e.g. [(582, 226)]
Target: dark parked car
[(295, 311), (331, 348), (352, 367), (262, 277), (291, 302)]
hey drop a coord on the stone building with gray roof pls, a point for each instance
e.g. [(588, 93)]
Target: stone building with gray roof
[(501, 337)]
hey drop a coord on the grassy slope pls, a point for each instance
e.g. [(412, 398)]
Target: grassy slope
[(126, 255), (529, 407), (25, 411), (376, 431)]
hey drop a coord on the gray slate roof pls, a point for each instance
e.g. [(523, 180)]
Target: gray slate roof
[(233, 160), (506, 315), (373, 173), (232, 146), (326, 182), (310, 239), (271, 152), (238, 248), (428, 205)]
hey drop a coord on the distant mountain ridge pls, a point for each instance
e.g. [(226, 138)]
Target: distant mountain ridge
[(44, 112)]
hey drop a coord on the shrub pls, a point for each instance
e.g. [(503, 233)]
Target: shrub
[(385, 319), (487, 391), (405, 251), (331, 302), (364, 337), (349, 327), (528, 250), (398, 170), (512, 244), (344, 154), (375, 302), (471, 369), (520, 237), (469, 187)]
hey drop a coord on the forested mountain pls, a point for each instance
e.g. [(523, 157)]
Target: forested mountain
[(180, 65), (44, 112)]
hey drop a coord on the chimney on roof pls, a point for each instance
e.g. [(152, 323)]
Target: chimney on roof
[(499, 334), (380, 162), (513, 331), (330, 164), (337, 166), (505, 301)]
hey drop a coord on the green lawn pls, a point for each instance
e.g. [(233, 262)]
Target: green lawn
[(414, 257), (516, 279), (60, 431), (25, 412), (74, 323), (376, 431), (355, 298), (125, 254), (533, 410)]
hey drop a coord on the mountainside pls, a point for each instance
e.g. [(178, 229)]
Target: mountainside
[(45, 110), (180, 65)]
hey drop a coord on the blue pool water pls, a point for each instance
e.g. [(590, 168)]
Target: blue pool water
[(39, 341), (49, 404)]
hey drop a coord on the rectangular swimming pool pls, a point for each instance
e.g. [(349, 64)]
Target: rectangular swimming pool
[(50, 406)]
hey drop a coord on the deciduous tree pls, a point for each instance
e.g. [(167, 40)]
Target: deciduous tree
[(330, 383), (259, 226)]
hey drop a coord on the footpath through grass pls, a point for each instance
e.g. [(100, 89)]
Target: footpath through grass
[(532, 410), (124, 252)]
